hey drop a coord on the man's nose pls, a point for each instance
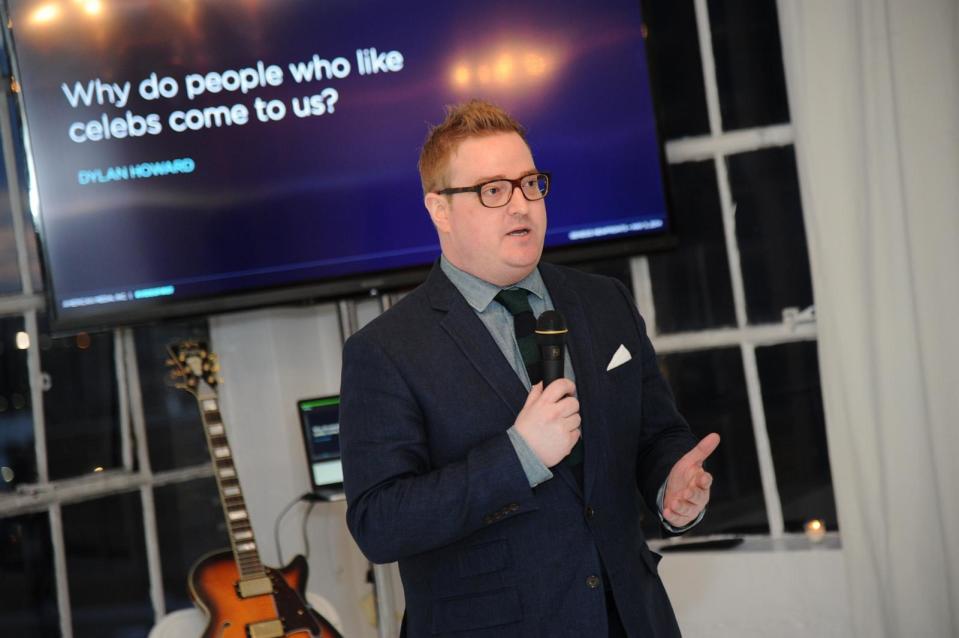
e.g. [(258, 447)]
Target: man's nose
[(517, 203)]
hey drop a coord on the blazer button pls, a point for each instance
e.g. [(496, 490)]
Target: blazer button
[(592, 581), (589, 512)]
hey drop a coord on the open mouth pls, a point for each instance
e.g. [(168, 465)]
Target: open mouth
[(519, 232)]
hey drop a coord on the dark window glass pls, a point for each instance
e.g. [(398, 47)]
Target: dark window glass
[(107, 567), (28, 600), (190, 524), (710, 391), (616, 268), (80, 403), (691, 284), (174, 429), (676, 68), (749, 63), (18, 460), (9, 270), (769, 227), (33, 256), (792, 398)]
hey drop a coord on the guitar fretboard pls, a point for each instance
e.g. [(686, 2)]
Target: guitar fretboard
[(234, 507)]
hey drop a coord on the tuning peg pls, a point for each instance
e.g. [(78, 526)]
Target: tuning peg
[(191, 382), (215, 367), (182, 357), (170, 362), (211, 380)]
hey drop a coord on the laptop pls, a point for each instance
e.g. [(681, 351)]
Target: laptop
[(320, 424)]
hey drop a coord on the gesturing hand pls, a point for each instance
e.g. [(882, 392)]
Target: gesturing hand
[(687, 487)]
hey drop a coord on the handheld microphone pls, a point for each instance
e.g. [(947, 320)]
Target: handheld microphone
[(551, 339)]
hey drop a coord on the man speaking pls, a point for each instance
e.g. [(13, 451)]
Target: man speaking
[(513, 509)]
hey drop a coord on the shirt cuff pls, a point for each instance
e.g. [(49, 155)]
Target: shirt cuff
[(536, 472), (660, 507)]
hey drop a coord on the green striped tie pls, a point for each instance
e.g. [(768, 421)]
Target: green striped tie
[(516, 300)]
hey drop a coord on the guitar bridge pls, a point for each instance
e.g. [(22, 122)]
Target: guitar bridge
[(266, 629), (254, 587)]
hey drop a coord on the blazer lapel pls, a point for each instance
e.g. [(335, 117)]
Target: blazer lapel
[(579, 342), (472, 337)]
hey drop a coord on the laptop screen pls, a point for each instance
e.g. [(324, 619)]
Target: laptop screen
[(320, 424)]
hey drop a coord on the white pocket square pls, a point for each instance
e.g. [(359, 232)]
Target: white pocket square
[(620, 357)]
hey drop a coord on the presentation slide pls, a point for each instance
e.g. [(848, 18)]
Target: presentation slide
[(193, 149)]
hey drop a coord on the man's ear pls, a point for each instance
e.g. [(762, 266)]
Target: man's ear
[(439, 209)]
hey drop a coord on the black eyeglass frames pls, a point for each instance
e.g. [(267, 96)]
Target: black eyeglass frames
[(498, 192)]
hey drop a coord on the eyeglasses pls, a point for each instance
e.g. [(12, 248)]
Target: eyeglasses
[(498, 192)]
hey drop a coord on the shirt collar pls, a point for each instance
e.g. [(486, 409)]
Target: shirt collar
[(480, 293)]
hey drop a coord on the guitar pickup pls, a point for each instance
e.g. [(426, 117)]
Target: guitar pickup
[(266, 629), (254, 587)]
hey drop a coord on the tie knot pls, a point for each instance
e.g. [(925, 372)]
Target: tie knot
[(516, 300)]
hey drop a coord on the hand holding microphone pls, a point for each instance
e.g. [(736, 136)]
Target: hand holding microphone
[(549, 421)]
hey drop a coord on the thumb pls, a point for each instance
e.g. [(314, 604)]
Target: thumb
[(703, 449)]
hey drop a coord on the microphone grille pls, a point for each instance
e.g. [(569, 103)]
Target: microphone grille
[(551, 322)]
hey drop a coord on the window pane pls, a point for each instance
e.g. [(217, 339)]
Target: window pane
[(749, 63), (18, 460), (28, 600), (80, 403), (107, 567), (617, 268), (190, 524), (792, 399), (710, 391), (691, 284), (769, 228), (676, 68), (174, 429), (33, 258), (9, 271)]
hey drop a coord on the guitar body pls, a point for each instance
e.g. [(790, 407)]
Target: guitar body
[(213, 586)]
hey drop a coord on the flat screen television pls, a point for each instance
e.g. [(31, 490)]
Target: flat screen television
[(203, 155)]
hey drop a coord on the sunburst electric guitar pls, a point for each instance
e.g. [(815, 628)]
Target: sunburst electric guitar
[(241, 597)]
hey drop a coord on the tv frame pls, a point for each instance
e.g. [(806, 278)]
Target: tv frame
[(323, 290)]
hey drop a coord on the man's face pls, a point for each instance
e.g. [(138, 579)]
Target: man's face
[(498, 245)]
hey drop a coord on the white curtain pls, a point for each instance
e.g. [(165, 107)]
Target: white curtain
[(874, 94)]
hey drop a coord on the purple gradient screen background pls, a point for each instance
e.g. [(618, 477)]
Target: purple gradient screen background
[(315, 198)]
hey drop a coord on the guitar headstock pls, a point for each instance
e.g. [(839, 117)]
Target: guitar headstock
[(194, 368)]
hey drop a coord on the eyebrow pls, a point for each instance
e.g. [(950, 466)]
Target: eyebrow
[(493, 178)]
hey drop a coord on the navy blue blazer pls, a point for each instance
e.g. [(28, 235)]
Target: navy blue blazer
[(432, 480)]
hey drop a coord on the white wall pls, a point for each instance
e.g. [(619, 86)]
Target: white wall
[(759, 590), (271, 358)]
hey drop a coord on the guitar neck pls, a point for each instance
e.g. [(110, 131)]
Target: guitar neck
[(245, 550)]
